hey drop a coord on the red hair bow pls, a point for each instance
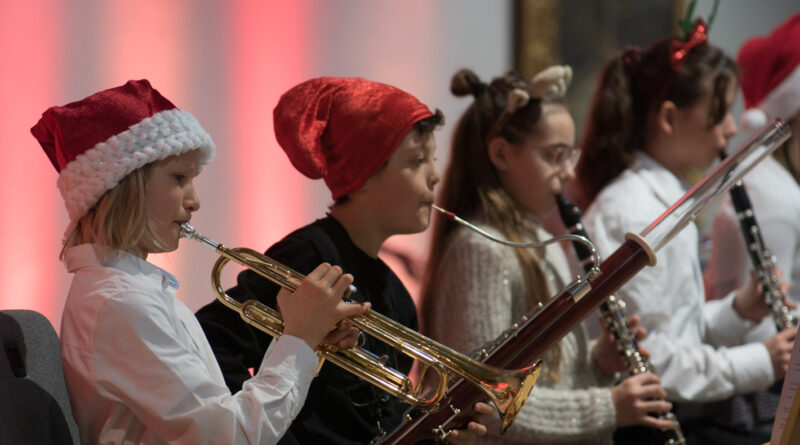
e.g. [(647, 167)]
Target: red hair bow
[(679, 50)]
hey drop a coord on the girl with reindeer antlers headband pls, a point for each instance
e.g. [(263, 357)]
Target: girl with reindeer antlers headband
[(513, 151)]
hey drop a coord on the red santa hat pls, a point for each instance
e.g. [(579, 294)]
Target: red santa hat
[(344, 129), (95, 142), (770, 75)]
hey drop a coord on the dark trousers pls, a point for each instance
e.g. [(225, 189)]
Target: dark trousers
[(715, 435)]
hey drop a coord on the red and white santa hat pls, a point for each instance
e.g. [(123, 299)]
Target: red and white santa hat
[(770, 75), (97, 141), (344, 129)]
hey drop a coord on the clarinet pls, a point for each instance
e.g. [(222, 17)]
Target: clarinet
[(763, 260), (613, 315)]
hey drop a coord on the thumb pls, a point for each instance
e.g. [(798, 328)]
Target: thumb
[(348, 310)]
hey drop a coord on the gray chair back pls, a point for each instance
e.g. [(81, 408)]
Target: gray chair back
[(34, 404)]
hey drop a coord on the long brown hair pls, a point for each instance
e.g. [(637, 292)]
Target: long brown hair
[(632, 87), (471, 185)]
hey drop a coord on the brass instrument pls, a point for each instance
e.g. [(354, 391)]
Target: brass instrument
[(507, 389)]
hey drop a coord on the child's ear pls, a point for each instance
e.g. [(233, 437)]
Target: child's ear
[(665, 117), (498, 153)]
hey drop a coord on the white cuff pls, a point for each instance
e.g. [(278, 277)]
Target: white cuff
[(752, 368), (724, 325), (292, 353)]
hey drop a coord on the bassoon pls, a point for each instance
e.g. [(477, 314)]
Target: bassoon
[(612, 313), (526, 341)]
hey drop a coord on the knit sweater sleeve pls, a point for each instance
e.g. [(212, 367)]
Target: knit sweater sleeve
[(479, 294)]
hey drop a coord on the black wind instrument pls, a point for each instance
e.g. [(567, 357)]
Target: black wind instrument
[(763, 260), (615, 320)]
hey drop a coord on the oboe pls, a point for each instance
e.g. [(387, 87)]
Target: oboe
[(762, 258), (613, 315)]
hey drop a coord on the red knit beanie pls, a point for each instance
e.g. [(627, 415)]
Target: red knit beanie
[(344, 129)]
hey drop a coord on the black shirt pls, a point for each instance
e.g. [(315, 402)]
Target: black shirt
[(340, 408)]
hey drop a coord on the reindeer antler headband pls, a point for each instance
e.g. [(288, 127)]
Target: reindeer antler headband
[(550, 81)]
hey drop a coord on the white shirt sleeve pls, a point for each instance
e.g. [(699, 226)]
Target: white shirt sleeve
[(143, 359), (670, 301), (729, 266)]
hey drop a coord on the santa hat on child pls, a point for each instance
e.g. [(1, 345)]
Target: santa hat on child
[(770, 75), (344, 129), (95, 142)]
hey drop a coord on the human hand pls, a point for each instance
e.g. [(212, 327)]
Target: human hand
[(605, 350), (344, 335), (475, 428), (637, 398), (316, 307), (749, 301), (780, 350)]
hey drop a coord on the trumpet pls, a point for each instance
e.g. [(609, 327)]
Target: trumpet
[(507, 389)]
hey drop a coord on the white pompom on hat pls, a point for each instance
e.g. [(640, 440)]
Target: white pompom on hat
[(97, 141), (770, 75)]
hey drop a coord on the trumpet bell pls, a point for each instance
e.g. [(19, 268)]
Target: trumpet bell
[(509, 403)]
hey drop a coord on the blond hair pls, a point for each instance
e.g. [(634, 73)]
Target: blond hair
[(118, 222)]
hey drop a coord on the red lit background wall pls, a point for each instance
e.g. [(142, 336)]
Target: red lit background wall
[(227, 63)]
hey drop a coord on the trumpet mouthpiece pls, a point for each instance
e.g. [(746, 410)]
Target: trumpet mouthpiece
[(187, 230)]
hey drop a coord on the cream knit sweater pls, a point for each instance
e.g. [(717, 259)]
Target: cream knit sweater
[(479, 294)]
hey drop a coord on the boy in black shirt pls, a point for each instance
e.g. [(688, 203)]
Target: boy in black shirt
[(373, 145)]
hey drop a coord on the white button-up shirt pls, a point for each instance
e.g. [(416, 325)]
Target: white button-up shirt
[(694, 344), (139, 369)]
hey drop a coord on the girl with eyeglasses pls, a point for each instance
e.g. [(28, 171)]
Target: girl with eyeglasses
[(513, 151)]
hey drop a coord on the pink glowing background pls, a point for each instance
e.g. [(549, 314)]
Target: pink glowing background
[(227, 63)]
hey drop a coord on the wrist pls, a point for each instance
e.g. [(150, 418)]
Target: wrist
[(740, 309), (311, 340)]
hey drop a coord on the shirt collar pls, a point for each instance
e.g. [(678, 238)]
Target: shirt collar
[(85, 255), (667, 187)]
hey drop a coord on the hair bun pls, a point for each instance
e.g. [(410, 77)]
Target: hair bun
[(465, 81)]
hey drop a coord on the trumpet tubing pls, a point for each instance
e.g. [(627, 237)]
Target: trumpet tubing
[(507, 389)]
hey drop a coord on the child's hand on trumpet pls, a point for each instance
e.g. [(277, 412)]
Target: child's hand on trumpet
[(316, 305)]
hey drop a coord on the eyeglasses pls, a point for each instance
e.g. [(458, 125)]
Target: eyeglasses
[(558, 155)]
